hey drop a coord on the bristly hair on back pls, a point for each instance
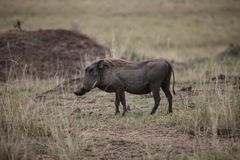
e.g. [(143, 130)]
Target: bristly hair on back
[(122, 62), (118, 62)]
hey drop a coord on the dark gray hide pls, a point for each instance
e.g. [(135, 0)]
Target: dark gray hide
[(116, 75)]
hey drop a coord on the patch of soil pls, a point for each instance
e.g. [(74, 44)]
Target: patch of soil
[(145, 143), (47, 53)]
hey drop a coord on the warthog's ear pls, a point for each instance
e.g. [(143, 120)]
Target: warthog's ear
[(102, 64)]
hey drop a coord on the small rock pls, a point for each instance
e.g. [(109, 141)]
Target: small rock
[(90, 112), (191, 105), (40, 98), (78, 110), (188, 88), (91, 101), (219, 77)]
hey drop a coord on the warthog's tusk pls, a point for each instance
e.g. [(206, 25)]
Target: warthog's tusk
[(94, 84)]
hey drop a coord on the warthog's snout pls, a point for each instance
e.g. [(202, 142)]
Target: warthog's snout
[(80, 92)]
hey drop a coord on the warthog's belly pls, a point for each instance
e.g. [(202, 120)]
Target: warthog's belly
[(137, 87)]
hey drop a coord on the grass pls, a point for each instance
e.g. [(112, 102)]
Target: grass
[(204, 125)]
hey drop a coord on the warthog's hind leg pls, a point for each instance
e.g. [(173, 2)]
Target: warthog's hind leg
[(169, 97), (157, 99), (166, 89)]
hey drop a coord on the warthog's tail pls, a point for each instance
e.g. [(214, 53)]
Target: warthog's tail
[(173, 81)]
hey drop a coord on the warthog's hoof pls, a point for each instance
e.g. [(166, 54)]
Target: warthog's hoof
[(169, 112), (152, 113), (124, 112), (117, 112)]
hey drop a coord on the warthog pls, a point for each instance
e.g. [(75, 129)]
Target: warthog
[(116, 75)]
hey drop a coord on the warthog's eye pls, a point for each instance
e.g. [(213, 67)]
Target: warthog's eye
[(91, 71)]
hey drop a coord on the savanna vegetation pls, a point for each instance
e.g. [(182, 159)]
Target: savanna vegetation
[(41, 121)]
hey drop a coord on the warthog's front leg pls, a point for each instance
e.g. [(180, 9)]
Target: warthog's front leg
[(121, 97), (117, 102)]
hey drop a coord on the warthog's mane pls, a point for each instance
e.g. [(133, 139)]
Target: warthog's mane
[(121, 63)]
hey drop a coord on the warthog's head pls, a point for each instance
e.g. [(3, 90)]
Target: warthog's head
[(92, 77)]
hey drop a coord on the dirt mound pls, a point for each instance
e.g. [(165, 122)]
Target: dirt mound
[(46, 53), (232, 51)]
